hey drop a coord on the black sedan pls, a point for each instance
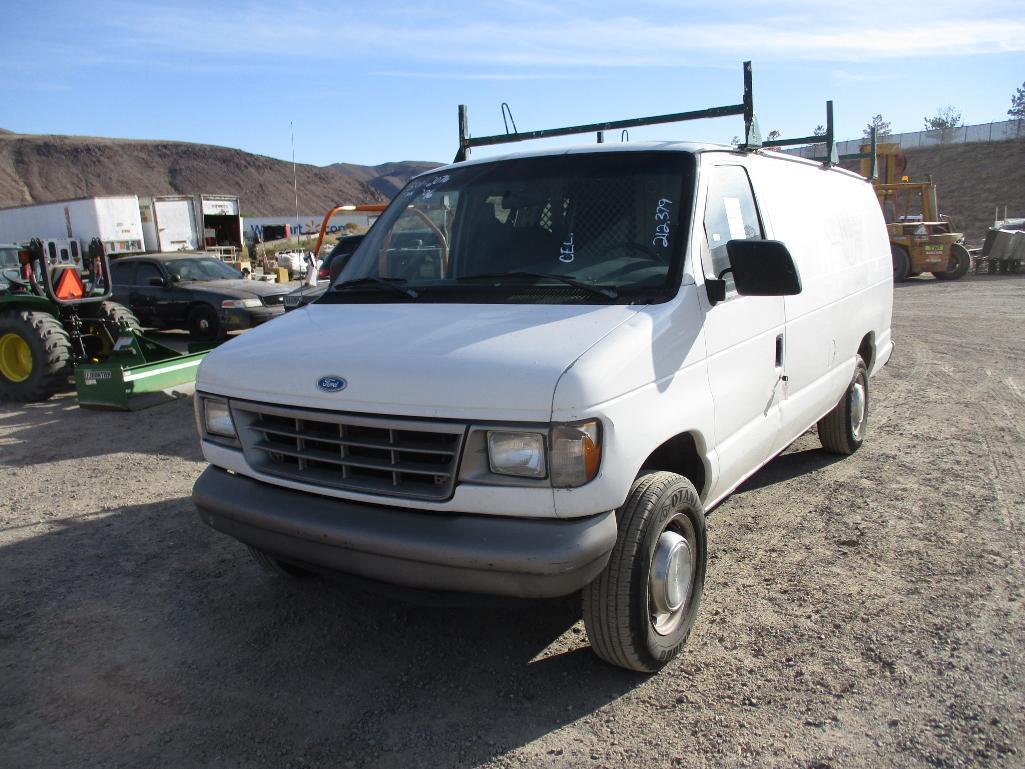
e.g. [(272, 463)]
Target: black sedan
[(195, 292)]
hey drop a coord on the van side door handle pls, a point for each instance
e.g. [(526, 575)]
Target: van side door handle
[(779, 357)]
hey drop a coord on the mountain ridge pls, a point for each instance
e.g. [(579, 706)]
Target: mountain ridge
[(41, 168)]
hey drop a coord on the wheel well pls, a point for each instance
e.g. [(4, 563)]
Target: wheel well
[(679, 455), (867, 349)]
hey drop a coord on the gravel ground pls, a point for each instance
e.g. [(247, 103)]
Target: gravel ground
[(865, 611)]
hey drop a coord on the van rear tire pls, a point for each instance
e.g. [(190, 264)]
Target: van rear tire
[(842, 430), (641, 608)]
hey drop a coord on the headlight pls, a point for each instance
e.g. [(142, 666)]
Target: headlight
[(576, 453), (235, 304), (521, 454), (217, 418)]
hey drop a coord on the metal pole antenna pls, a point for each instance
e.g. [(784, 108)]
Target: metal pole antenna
[(295, 188)]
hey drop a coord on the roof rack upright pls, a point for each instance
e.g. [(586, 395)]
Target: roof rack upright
[(831, 158), (752, 136)]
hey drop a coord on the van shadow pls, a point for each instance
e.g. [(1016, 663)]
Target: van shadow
[(788, 466), (73, 432), (140, 634)]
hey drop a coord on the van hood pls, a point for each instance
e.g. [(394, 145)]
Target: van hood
[(460, 361)]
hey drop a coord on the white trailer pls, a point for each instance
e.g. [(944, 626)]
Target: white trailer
[(169, 223), (114, 219), (190, 222)]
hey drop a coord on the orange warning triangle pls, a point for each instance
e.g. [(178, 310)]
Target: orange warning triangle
[(69, 285)]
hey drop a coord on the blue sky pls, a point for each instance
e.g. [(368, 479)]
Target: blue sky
[(372, 82)]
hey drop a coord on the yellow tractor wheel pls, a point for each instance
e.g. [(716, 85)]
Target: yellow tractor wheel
[(15, 358), (35, 355)]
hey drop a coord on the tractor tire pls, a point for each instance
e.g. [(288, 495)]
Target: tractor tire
[(35, 356), (639, 611), (204, 324), (960, 262), (901, 263), (104, 328), (120, 313)]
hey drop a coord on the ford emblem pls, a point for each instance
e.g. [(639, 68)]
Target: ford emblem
[(332, 384)]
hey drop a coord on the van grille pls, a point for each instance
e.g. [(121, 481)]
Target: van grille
[(374, 455)]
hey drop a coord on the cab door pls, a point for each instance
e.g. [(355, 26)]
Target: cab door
[(745, 335)]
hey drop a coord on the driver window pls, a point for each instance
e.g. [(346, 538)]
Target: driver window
[(146, 271), (730, 214)]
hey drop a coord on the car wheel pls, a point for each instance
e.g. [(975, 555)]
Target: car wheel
[(640, 610), (35, 356), (842, 430), (203, 323)]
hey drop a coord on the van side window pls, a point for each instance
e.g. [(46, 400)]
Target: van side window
[(730, 214)]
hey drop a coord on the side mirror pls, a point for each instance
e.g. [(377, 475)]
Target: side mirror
[(175, 277), (762, 268), (337, 265), (158, 282)]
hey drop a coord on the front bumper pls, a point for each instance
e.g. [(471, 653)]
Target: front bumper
[(238, 318), (524, 557)]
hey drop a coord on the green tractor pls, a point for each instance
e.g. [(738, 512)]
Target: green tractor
[(53, 316), (57, 321)]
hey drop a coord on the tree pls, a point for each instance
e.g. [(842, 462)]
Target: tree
[(820, 130), (774, 134), (882, 127), (1017, 109), (948, 117)]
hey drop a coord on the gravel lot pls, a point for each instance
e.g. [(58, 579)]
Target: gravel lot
[(865, 611)]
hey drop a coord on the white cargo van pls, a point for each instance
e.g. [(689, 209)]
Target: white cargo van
[(538, 373)]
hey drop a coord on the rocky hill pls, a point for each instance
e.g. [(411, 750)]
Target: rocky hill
[(39, 169)]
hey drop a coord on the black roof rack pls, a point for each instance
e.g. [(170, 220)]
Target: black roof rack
[(752, 138)]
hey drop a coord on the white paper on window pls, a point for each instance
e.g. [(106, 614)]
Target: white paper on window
[(735, 218)]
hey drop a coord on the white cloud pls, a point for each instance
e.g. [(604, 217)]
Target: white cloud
[(528, 34)]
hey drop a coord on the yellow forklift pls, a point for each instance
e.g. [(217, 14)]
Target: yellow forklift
[(921, 239)]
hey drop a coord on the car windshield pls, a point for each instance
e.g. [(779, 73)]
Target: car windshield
[(8, 258), (588, 227), (202, 269)]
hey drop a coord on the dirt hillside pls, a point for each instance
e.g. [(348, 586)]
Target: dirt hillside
[(38, 169)]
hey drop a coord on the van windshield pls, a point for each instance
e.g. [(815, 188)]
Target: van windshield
[(595, 227)]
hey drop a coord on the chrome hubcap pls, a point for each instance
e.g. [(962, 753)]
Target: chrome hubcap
[(858, 408), (670, 580)]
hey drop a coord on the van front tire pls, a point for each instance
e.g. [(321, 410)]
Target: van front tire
[(276, 567), (842, 430), (640, 610)]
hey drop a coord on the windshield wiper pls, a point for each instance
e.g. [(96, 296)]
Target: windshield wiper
[(569, 280), (368, 282)]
